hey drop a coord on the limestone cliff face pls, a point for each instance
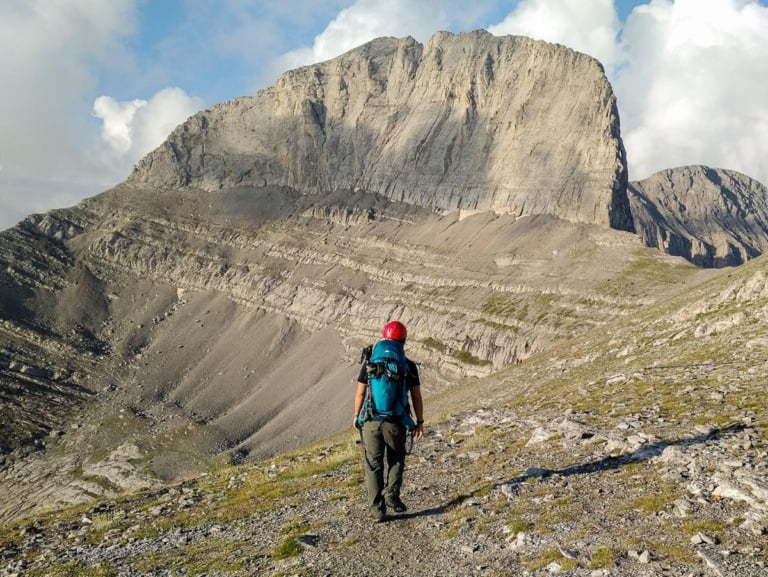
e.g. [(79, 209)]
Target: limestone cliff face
[(712, 217), (468, 121)]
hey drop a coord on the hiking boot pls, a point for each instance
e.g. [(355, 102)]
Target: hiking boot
[(396, 504), (378, 515)]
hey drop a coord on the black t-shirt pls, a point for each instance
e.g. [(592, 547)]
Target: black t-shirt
[(412, 380)]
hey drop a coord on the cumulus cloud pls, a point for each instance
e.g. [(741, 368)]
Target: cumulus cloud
[(117, 117), (693, 89), (133, 128), (58, 145)]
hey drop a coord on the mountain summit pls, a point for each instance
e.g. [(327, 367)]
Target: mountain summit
[(467, 121)]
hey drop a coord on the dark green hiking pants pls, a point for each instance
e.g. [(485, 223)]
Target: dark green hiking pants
[(383, 440)]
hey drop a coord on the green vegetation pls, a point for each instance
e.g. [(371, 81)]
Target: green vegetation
[(516, 526), (290, 547), (655, 502), (502, 305), (603, 558), (498, 326), (643, 269), (74, 569), (431, 343), (469, 359), (549, 556), (671, 551), (703, 526), (211, 555)]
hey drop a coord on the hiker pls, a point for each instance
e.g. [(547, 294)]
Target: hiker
[(382, 415)]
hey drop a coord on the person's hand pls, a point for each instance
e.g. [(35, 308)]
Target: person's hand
[(356, 424), (418, 432)]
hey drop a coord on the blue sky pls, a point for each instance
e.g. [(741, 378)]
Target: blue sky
[(168, 27), (91, 87)]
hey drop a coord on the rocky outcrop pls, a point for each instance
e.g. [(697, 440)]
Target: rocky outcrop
[(468, 121), (712, 217)]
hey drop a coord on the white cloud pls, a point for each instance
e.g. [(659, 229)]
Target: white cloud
[(117, 117), (694, 87), (589, 26), (690, 76), (49, 52), (132, 129), (51, 57)]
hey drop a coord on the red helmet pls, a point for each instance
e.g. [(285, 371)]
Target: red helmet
[(394, 330)]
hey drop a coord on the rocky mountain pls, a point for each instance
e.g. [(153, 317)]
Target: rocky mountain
[(712, 217), (468, 121), (211, 310)]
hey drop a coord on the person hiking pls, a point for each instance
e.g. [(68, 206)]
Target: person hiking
[(382, 415)]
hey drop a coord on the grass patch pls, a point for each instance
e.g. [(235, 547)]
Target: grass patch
[(671, 552), (603, 558), (295, 528), (501, 305), (74, 569), (469, 359), (290, 547), (552, 555), (519, 526), (211, 556), (497, 326), (655, 500), (649, 503), (431, 343), (703, 526)]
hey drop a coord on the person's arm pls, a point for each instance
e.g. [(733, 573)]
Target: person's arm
[(359, 398), (418, 408)]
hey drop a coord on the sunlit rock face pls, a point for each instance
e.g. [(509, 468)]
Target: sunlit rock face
[(468, 121)]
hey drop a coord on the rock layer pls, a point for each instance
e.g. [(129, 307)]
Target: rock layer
[(468, 121)]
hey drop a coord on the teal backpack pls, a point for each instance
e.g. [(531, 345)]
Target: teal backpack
[(386, 397)]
